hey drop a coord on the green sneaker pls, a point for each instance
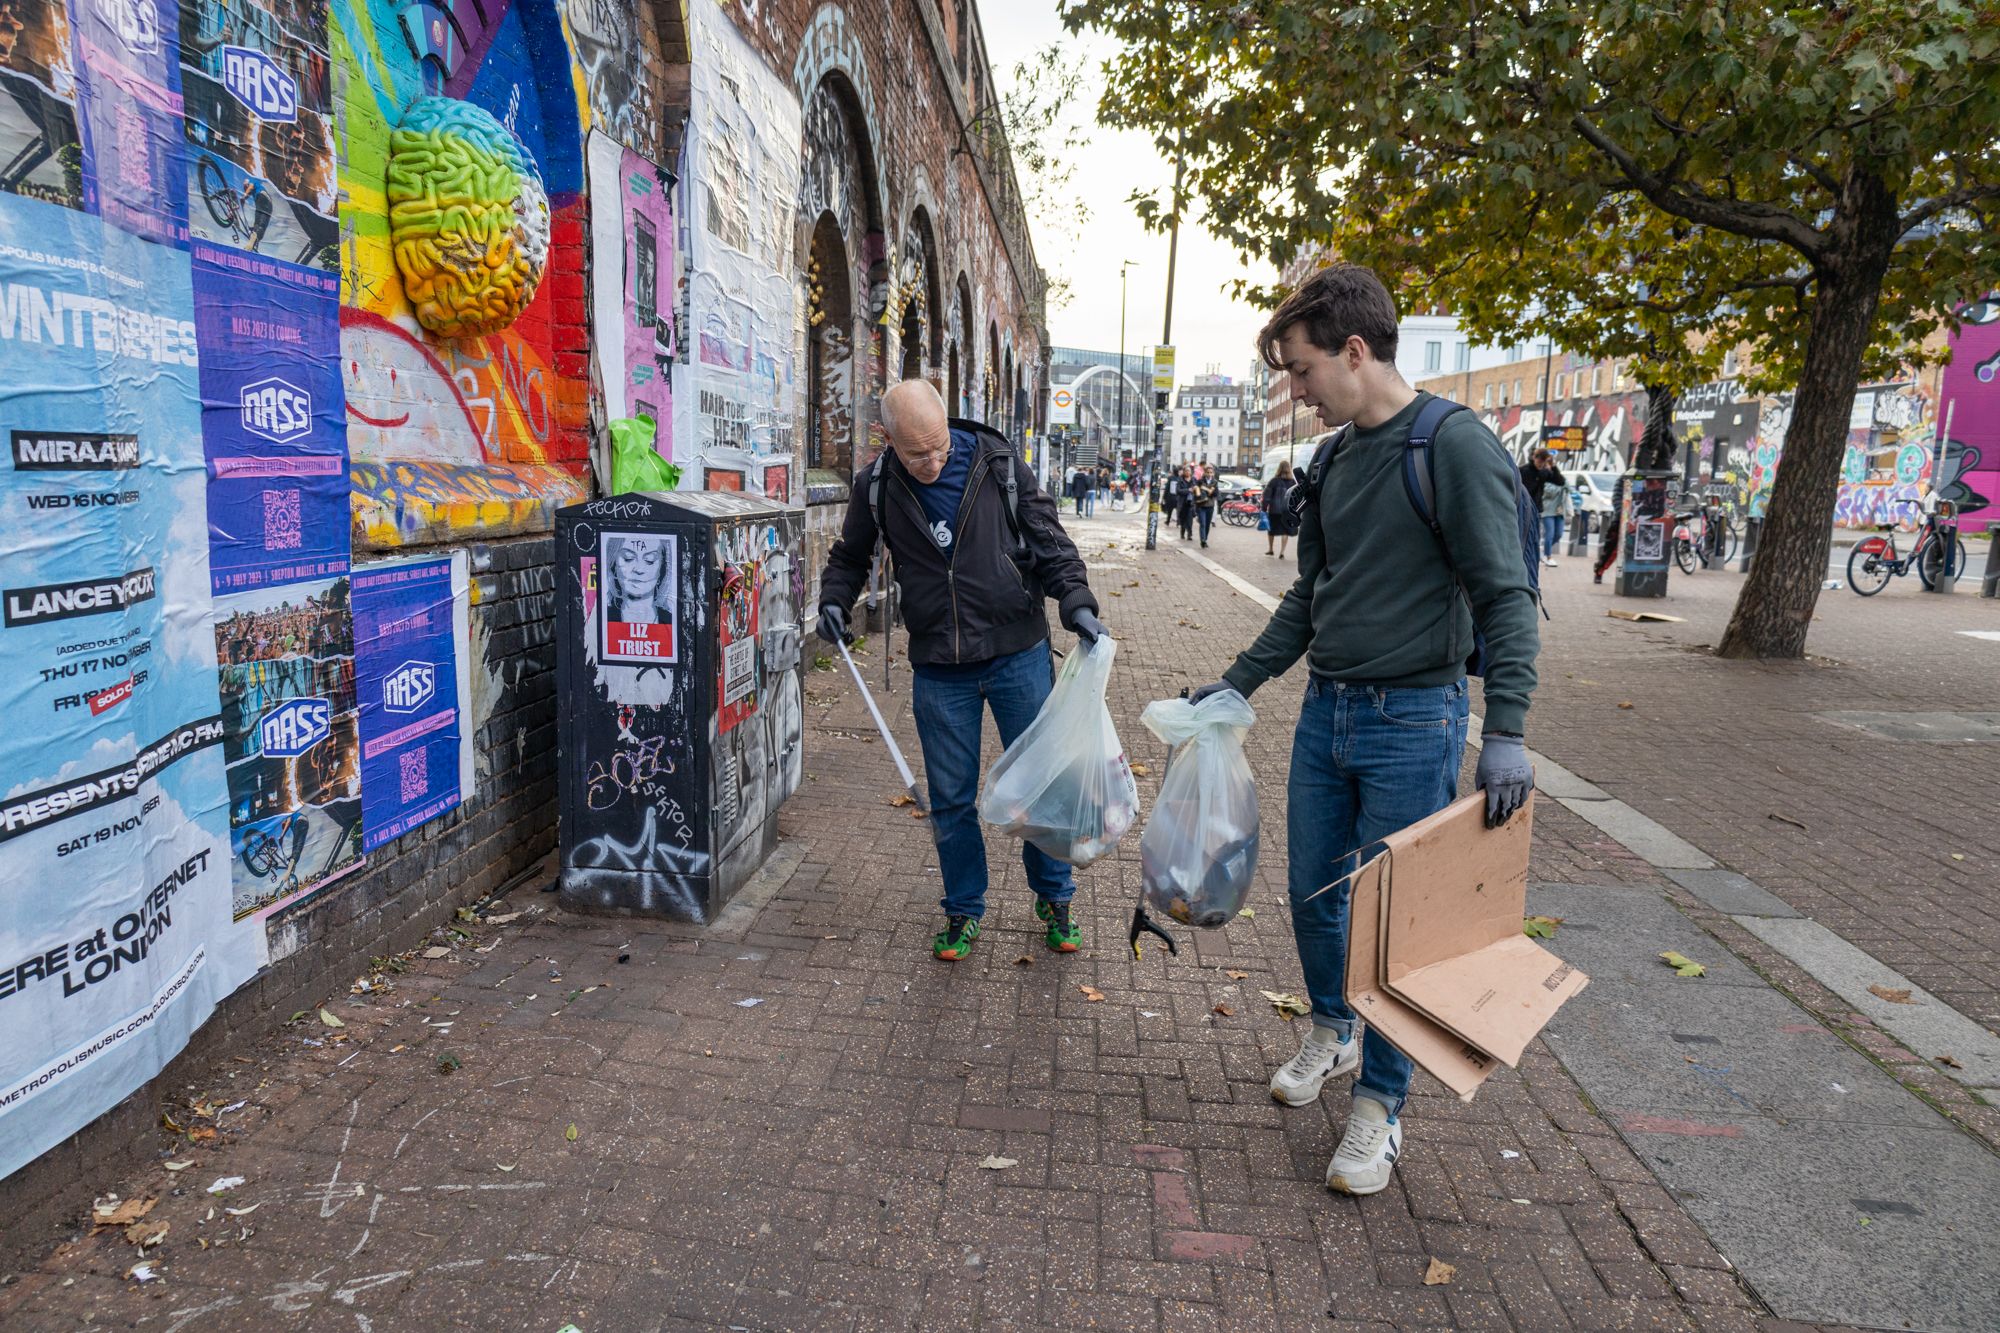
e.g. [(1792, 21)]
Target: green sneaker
[(1063, 935), (954, 942)]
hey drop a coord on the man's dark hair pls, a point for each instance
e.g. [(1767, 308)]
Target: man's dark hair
[(1339, 302)]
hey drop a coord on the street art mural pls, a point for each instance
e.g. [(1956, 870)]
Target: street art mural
[(745, 344), (1612, 425), (635, 280), (1970, 392), (611, 58)]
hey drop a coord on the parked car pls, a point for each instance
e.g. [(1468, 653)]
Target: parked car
[(1235, 486)]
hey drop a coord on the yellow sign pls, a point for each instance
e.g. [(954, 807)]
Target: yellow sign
[(1163, 369)]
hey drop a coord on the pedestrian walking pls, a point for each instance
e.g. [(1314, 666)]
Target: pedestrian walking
[(1278, 516), (1548, 491), (1184, 501), (1385, 610), (1614, 523), (977, 547), (1204, 493)]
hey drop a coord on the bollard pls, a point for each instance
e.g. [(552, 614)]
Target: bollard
[(1753, 528), (1579, 533), (1947, 577), (1989, 586)]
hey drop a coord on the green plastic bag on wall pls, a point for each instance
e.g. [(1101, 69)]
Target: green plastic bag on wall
[(634, 465)]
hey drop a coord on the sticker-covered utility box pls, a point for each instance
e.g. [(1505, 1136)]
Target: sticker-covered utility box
[(680, 716)]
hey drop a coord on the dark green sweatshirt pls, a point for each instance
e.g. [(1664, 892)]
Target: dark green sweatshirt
[(1375, 602)]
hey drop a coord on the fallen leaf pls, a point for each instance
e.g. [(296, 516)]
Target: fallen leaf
[(916, 814), (437, 951), (327, 1018), (504, 1168), (201, 1134), (180, 1166), (1867, 1221), (224, 1183), (146, 1234), (1025, 960), (1225, 1011), (120, 1212), (1540, 927), (570, 1133), (1288, 1005), (243, 1212), (503, 918), (1439, 1273), (1949, 1062), (1625, 703), (904, 799), (1786, 819), (1141, 770), (1116, 593), (1234, 975), (1248, 914), (1958, 856), (1682, 964), (997, 1163), (1893, 994), (1091, 994)]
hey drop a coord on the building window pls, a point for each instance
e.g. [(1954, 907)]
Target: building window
[(1594, 372), (1728, 364), (1461, 357), (1562, 385), (1503, 391), (1513, 354), (1488, 401), (1433, 356), (1517, 391), (1542, 388)]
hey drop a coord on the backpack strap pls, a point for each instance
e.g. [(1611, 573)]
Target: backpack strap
[(1308, 493), (1010, 489), (1420, 480)]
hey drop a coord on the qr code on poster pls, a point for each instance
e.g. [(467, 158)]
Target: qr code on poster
[(282, 524), (415, 775)]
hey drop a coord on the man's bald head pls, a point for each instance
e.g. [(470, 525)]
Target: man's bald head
[(914, 419)]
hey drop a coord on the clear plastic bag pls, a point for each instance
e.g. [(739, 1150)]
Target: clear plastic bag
[(1198, 854), (1064, 784)]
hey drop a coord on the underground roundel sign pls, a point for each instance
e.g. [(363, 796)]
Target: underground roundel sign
[(255, 80), (409, 687), (294, 727), (276, 409)]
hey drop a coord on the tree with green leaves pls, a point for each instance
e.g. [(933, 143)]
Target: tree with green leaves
[(1814, 179)]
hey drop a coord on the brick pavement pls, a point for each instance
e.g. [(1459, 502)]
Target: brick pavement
[(1900, 849), (528, 1132)]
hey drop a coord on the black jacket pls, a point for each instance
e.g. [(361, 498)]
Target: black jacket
[(979, 600)]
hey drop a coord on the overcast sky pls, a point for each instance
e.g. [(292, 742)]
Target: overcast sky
[(1209, 327)]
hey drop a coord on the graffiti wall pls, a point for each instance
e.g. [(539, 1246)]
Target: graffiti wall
[(740, 406), (1612, 424), (1970, 394), (635, 283)]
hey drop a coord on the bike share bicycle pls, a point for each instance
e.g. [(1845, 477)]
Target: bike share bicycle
[(1874, 560), (1703, 534)]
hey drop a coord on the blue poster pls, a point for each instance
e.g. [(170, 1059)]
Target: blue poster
[(273, 419), (116, 938), (129, 73), (411, 628)]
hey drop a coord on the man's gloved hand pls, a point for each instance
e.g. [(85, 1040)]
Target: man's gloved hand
[(1505, 775), (833, 624), (1087, 626), (1207, 690)]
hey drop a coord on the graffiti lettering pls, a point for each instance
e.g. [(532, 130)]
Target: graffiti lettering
[(625, 772)]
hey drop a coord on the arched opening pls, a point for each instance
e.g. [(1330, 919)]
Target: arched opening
[(829, 350), (962, 397), (990, 381), (1007, 422), (840, 233), (952, 405), (922, 326)]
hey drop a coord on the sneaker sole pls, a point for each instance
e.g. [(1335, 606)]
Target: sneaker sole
[(1339, 1185)]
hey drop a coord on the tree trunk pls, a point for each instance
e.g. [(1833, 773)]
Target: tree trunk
[(1774, 610), (1656, 446)]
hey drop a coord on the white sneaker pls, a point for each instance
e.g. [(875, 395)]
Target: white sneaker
[(1362, 1163), (1323, 1055), (1550, 562)]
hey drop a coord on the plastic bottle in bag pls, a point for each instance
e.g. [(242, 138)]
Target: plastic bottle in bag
[(1064, 784), (1198, 854)]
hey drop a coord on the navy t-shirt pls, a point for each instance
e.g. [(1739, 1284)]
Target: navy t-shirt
[(942, 497)]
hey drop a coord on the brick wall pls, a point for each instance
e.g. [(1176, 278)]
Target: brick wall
[(407, 888)]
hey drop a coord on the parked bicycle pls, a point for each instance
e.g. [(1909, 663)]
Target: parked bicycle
[(1242, 513), (1875, 560), (1703, 534)]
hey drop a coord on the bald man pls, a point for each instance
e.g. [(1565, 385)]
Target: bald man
[(977, 548)]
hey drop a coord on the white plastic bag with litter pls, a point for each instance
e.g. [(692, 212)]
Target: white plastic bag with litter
[(1063, 784), (1198, 854)]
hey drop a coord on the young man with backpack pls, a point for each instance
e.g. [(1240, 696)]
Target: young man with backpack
[(1417, 554), (978, 548)]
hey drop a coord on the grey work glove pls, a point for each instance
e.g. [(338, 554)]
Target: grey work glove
[(1505, 775), (1207, 690), (1087, 626), (833, 624)]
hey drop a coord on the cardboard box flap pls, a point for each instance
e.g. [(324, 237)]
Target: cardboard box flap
[(1497, 998), (1454, 885), (1447, 1058)]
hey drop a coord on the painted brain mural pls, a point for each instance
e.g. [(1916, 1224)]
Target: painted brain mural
[(468, 218)]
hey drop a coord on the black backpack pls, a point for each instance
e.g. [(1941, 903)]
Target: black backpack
[(1420, 484)]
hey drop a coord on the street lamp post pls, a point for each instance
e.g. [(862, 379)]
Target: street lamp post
[(1166, 339), (1119, 443)]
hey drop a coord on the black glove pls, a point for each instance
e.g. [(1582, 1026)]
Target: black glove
[(1207, 690), (833, 624), (1505, 775), (1087, 626)]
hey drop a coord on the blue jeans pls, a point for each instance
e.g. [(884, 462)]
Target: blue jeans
[(1089, 503), (1552, 534), (949, 711), (1365, 762), (1205, 517)]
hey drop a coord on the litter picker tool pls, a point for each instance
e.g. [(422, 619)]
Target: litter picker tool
[(895, 751)]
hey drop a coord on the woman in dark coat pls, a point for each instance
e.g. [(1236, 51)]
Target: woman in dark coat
[(1183, 505), (1206, 495), (1278, 509)]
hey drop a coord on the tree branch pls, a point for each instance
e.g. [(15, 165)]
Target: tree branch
[(1929, 209), (1759, 221), (1818, 173)]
